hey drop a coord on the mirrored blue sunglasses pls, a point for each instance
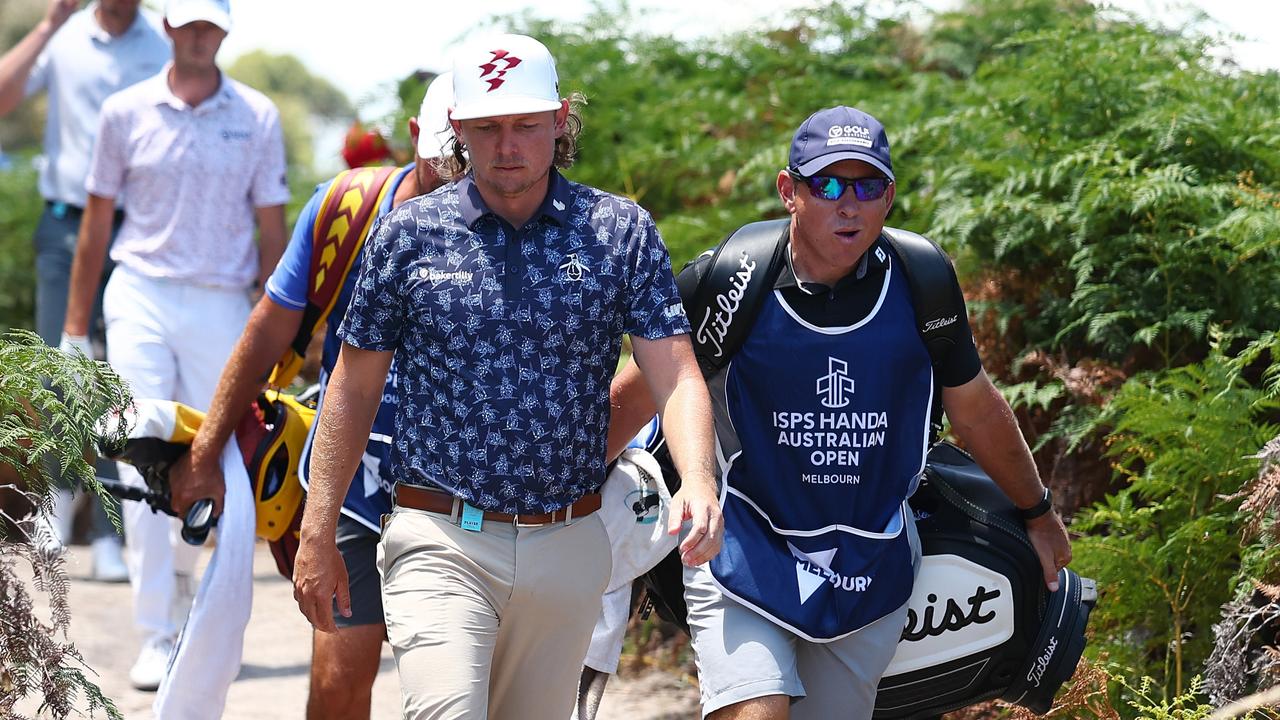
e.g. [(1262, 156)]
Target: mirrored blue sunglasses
[(829, 187)]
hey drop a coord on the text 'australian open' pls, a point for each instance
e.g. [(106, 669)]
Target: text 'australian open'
[(835, 437)]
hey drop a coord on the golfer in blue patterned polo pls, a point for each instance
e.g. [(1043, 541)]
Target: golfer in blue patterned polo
[(502, 297)]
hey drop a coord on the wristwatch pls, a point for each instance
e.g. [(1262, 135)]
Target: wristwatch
[(1040, 508)]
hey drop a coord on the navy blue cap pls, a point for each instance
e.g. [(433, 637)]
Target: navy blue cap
[(839, 133)]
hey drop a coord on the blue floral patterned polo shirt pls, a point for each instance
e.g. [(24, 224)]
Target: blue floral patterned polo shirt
[(506, 339)]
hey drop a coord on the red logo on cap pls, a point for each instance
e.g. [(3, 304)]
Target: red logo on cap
[(491, 68)]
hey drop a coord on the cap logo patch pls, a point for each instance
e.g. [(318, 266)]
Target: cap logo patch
[(491, 68), (849, 135)]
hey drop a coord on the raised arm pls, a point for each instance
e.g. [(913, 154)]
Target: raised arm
[(680, 394), (15, 65), (983, 420)]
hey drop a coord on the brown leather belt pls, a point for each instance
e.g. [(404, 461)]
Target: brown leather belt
[(439, 501)]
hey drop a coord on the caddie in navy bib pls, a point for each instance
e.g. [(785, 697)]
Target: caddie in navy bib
[(833, 425)]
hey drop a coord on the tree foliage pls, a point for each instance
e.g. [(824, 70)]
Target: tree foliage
[(20, 209), (82, 401), (302, 97), (1185, 441)]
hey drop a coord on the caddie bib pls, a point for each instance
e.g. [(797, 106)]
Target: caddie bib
[(833, 426)]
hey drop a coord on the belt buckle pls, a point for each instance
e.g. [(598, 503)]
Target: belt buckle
[(515, 522)]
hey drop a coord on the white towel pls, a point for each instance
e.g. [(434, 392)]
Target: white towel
[(611, 629), (638, 537), (207, 657)]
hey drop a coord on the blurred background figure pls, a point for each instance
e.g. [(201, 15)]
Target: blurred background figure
[(364, 146), (77, 57), (198, 158)]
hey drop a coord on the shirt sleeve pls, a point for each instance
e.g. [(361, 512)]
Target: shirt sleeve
[(109, 165), (375, 318), (270, 181), (38, 80), (287, 286), (655, 310), (962, 362)]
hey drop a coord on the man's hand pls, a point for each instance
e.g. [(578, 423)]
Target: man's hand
[(191, 479), (58, 12), (71, 343), (697, 503), (1049, 538), (318, 575)]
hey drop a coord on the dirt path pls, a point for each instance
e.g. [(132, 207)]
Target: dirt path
[(273, 678)]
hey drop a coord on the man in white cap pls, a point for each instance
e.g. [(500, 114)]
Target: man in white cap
[(77, 58), (345, 663), (198, 159), (502, 298)]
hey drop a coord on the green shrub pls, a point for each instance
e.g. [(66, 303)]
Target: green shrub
[(20, 211), (37, 424), (1167, 547)]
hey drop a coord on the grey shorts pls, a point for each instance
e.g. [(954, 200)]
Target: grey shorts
[(740, 655), (359, 547)]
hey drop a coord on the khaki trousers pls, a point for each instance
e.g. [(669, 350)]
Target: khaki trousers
[(495, 623)]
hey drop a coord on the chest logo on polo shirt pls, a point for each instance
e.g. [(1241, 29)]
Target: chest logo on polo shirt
[(836, 386), (572, 268), (491, 68), (241, 135)]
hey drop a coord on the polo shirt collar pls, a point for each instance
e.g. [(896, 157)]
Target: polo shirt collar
[(161, 94), (555, 206), (870, 262)]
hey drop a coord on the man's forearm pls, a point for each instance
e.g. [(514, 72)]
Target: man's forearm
[(266, 336), (15, 66), (271, 240), (86, 268), (689, 432), (630, 407), (985, 424)]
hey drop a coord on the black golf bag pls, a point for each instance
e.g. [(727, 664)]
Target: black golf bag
[(981, 622)]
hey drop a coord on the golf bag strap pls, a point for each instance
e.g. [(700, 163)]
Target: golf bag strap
[(731, 293), (346, 214), (932, 280)]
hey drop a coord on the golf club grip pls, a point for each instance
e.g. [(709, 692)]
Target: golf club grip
[(198, 521)]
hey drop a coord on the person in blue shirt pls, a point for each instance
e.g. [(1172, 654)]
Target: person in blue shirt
[(344, 663), (501, 298), (822, 425)]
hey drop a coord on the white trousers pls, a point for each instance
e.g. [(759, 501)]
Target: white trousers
[(168, 340)]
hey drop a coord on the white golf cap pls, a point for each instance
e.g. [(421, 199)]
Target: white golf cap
[(434, 130), (183, 12), (504, 75)]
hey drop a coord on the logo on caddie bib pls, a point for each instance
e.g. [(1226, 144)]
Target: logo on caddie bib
[(836, 386)]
